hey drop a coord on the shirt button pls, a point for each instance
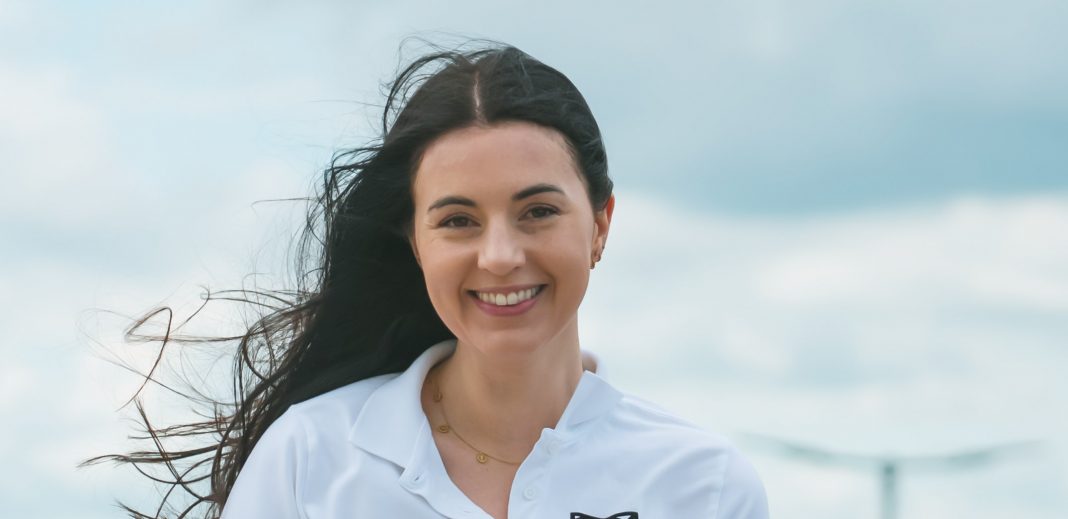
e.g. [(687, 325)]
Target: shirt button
[(530, 493), (416, 480)]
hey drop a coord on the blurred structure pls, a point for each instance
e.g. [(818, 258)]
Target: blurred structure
[(889, 467)]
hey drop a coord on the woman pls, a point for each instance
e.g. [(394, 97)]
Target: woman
[(434, 368)]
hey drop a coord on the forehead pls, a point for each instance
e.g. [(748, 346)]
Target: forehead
[(508, 156)]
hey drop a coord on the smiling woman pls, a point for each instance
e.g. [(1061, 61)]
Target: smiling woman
[(433, 367), (504, 216)]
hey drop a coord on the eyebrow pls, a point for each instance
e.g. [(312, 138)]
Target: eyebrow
[(524, 193)]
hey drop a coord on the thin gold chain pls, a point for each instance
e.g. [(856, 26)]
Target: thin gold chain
[(481, 456)]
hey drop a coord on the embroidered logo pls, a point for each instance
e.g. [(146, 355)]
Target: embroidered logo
[(621, 515)]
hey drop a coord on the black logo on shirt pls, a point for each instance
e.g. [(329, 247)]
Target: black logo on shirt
[(621, 515)]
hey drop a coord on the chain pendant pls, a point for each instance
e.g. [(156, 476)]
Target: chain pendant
[(481, 457)]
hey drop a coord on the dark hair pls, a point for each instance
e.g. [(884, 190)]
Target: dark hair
[(360, 307)]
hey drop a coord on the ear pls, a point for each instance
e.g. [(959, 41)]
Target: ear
[(603, 219)]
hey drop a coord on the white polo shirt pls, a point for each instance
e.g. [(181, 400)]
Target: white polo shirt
[(366, 450)]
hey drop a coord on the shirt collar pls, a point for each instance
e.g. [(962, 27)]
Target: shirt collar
[(390, 423)]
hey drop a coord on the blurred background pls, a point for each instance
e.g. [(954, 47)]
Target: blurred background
[(839, 224)]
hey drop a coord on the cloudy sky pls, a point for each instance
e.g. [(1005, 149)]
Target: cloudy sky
[(842, 224)]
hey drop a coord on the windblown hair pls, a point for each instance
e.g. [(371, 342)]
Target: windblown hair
[(360, 306)]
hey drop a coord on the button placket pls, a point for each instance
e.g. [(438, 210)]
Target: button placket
[(527, 487), (426, 477)]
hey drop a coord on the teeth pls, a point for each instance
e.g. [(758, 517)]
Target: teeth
[(509, 299)]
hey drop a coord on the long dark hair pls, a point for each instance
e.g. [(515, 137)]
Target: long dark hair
[(360, 307)]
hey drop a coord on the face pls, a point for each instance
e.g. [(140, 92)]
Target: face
[(504, 232)]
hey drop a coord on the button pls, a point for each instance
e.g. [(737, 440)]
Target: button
[(530, 493)]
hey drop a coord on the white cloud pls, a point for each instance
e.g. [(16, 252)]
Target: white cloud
[(56, 145)]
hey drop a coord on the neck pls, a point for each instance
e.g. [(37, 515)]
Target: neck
[(502, 402)]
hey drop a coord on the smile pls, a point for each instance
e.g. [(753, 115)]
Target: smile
[(508, 298), (506, 304)]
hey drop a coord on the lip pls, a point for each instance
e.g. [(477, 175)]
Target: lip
[(507, 311)]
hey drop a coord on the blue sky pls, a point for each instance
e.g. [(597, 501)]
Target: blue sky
[(840, 222)]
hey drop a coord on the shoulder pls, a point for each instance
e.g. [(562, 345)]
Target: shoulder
[(694, 454), (323, 418), (336, 410), (743, 493), (280, 468)]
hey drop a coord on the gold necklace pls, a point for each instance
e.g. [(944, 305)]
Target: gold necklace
[(481, 456)]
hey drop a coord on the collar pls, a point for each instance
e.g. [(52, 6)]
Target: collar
[(391, 423)]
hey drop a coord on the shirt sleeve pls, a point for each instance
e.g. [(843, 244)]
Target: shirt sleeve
[(271, 482), (743, 495)]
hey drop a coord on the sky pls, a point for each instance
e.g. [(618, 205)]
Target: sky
[(841, 224)]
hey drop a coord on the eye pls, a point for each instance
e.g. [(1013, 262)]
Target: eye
[(542, 211), (456, 222)]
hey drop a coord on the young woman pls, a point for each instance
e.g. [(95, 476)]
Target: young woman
[(433, 369)]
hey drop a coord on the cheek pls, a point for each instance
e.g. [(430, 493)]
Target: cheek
[(570, 260), (443, 273)]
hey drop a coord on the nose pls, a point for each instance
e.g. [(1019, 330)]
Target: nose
[(500, 251)]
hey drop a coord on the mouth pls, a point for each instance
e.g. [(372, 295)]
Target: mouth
[(513, 298)]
